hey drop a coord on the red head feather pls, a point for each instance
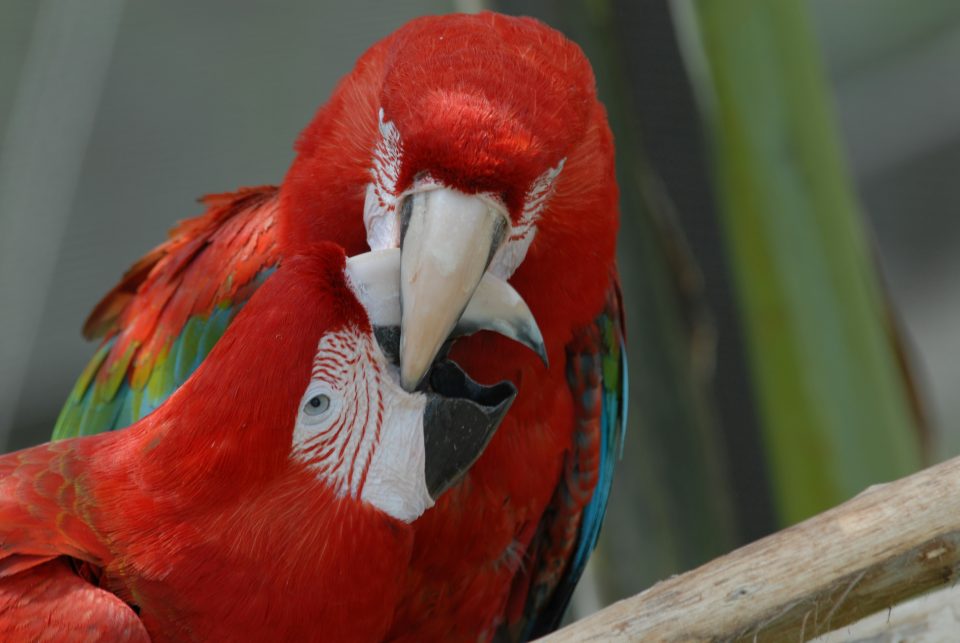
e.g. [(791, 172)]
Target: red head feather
[(483, 103), (267, 356)]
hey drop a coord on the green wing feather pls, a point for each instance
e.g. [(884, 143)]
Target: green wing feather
[(171, 307)]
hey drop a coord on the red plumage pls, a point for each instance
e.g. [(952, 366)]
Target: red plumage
[(197, 516), (437, 76), (487, 104)]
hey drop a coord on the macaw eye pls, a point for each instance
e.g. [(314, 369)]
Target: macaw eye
[(317, 405)]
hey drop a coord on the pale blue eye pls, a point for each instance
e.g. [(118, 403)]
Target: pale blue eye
[(316, 405)]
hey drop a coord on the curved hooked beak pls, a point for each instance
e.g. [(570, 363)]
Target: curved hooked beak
[(495, 305), (447, 241)]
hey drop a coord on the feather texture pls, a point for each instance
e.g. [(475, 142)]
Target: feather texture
[(50, 602), (481, 103), (597, 374), (196, 523), (168, 311)]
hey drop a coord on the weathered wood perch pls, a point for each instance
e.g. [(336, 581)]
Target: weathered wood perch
[(931, 618), (890, 543)]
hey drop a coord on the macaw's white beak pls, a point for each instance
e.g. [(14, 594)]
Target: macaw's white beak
[(447, 241), (436, 286)]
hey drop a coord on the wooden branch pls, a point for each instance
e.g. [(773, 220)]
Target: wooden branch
[(932, 617), (890, 543)]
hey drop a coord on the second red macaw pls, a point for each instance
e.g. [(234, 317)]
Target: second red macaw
[(270, 498), (475, 145)]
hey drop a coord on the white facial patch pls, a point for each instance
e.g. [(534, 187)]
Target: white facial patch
[(361, 432), (380, 205), (381, 216), (512, 253)]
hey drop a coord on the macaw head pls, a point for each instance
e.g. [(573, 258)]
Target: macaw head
[(477, 145), (304, 378)]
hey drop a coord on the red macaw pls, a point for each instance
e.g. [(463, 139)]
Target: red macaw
[(270, 498), (476, 145)]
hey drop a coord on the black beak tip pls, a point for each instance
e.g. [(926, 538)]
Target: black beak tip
[(460, 420)]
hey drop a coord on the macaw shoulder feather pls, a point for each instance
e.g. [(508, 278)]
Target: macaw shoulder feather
[(170, 308), (570, 527), (50, 602), (45, 510)]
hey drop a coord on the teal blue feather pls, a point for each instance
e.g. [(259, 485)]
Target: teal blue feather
[(611, 359), (93, 407)]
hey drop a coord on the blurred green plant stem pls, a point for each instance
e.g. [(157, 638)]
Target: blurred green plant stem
[(834, 402)]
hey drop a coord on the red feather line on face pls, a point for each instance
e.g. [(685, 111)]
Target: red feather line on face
[(346, 362), (182, 513), (545, 86), (307, 298)]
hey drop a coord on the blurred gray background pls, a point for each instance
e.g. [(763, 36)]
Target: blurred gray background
[(116, 115)]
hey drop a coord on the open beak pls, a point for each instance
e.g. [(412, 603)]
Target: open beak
[(447, 241), (459, 421)]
